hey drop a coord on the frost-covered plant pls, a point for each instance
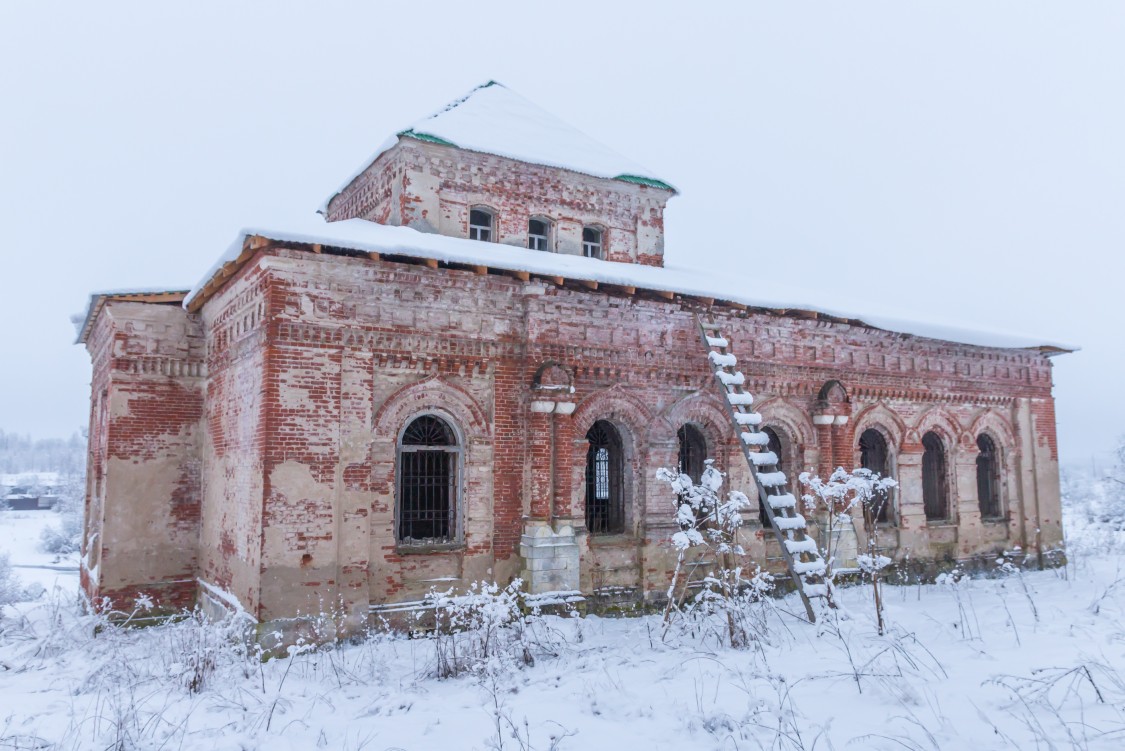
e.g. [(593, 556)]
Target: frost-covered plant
[(11, 589), (708, 522), (63, 539), (837, 499), (486, 629)]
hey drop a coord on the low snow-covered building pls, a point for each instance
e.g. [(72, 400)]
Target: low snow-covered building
[(472, 369)]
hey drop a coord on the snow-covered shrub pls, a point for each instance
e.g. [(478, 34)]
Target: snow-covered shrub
[(485, 629), (709, 524), (64, 538), (731, 607), (11, 589)]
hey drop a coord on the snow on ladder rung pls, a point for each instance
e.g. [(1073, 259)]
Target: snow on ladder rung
[(740, 400), (761, 458), (786, 523), (717, 341), (755, 439), (782, 500), (807, 545), (816, 567), (708, 325), (814, 590), (746, 418), (730, 379), (721, 360)]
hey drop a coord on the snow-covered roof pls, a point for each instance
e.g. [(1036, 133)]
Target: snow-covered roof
[(493, 119), (84, 321), (368, 237)]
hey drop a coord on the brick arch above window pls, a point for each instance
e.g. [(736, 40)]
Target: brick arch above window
[(431, 394), (791, 419), (704, 409), (939, 421), (996, 425), (884, 419), (616, 404)]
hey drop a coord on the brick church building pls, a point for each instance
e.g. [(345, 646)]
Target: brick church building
[(471, 367)]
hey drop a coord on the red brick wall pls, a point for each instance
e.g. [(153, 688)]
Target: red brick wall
[(143, 498), (634, 361)]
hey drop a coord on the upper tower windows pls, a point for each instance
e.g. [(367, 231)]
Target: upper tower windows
[(592, 242), (481, 224), (538, 234)]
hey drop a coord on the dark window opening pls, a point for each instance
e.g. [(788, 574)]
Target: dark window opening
[(873, 455), (935, 483), (427, 482), (775, 446), (988, 478), (605, 496), (538, 234), (693, 452), (591, 242), (480, 225)]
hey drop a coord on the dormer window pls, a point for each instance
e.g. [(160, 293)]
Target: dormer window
[(538, 234), (480, 225), (592, 242)]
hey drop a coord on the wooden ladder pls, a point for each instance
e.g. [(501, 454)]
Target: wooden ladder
[(800, 551)]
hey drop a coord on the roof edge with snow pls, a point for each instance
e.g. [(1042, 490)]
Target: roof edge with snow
[(84, 323), (402, 244)]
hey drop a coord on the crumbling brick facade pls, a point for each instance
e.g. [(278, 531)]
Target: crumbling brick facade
[(249, 451)]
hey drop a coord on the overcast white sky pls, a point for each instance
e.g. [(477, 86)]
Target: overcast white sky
[(959, 162)]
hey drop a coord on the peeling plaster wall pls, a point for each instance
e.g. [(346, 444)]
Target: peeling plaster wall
[(233, 447), (143, 496)]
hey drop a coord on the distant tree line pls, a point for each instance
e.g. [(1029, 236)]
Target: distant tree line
[(22, 453)]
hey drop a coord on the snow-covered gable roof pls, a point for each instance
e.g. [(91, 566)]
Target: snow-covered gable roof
[(493, 119), (367, 237)]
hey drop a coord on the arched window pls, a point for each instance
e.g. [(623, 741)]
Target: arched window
[(428, 457), (988, 478), (538, 234), (775, 446), (605, 494), (693, 452), (592, 242), (873, 455), (481, 223), (935, 483)]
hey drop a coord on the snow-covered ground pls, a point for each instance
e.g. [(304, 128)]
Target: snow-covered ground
[(1032, 661)]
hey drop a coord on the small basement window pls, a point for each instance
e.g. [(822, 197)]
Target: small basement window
[(480, 225), (592, 242), (538, 234)]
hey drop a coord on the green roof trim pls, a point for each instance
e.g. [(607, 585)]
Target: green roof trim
[(652, 183), (426, 137)]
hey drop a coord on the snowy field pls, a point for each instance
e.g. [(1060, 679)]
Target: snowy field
[(1031, 661)]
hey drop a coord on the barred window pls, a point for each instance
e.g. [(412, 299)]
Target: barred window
[(988, 478), (428, 458), (874, 455), (605, 496), (693, 452), (935, 482), (774, 445)]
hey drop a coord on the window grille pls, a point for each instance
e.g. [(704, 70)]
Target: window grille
[(693, 452), (935, 485), (480, 225), (988, 478), (873, 455), (427, 482), (774, 445), (591, 242), (605, 502), (538, 234)]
